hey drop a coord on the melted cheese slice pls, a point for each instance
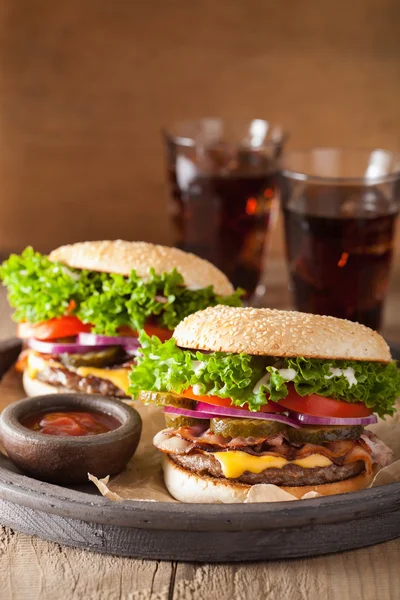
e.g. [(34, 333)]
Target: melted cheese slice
[(119, 377), (234, 464)]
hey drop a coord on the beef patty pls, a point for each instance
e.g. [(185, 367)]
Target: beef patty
[(289, 475), (63, 377)]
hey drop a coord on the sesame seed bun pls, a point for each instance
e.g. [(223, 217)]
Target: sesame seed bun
[(186, 486), (267, 332), (122, 257)]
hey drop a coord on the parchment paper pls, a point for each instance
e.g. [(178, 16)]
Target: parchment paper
[(142, 479)]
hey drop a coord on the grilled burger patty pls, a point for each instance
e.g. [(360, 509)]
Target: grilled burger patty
[(89, 384), (289, 475)]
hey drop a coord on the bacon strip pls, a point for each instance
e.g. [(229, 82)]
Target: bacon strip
[(360, 452), (206, 438)]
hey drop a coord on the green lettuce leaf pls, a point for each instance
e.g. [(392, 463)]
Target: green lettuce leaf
[(39, 290), (250, 379)]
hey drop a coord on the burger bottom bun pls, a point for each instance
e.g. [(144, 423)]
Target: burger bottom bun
[(187, 486), (34, 387)]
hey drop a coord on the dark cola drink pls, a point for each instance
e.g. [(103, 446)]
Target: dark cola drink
[(223, 179), (224, 215), (339, 244)]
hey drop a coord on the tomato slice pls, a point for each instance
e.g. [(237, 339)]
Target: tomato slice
[(160, 332), (271, 407), (208, 399), (67, 326), (319, 406)]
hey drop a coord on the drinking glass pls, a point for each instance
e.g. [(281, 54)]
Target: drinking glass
[(340, 209), (223, 189)]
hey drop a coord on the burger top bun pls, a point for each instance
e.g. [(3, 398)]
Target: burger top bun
[(267, 332), (122, 257)]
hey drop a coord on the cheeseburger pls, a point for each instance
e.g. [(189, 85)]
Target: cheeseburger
[(254, 396), (79, 309)]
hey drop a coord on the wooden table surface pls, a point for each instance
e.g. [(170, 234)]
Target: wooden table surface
[(31, 568)]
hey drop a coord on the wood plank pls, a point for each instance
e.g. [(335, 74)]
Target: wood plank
[(31, 569), (368, 574)]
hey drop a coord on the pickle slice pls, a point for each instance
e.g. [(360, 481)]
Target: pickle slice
[(97, 358), (255, 428), (316, 434), (166, 399), (177, 421)]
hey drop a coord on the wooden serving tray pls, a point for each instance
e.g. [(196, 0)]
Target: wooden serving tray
[(193, 532)]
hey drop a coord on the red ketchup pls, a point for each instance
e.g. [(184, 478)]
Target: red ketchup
[(75, 423)]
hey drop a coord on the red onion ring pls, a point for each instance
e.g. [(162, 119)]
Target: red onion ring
[(303, 419), (60, 348), (93, 339), (185, 412)]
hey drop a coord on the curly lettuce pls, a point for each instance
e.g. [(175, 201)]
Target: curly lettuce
[(39, 290), (253, 380)]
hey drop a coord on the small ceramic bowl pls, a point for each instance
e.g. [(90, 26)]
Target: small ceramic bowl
[(69, 459)]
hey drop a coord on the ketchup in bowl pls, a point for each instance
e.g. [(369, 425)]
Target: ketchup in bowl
[(62, 437), (72, 423)]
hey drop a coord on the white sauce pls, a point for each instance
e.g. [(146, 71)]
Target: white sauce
[(287, 374), (335, 373), (346, 373), (197, 389), (349, 374), (260, 382), (197, 365)]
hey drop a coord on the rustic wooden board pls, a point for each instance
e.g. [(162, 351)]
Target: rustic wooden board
[(196, 532)]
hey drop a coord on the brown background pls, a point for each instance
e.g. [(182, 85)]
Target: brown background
[(85, 86)]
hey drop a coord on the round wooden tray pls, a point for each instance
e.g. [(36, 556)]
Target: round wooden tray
[(194, 532)]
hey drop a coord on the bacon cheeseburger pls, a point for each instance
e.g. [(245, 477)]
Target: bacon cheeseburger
[(80, 308), (265, 396)]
